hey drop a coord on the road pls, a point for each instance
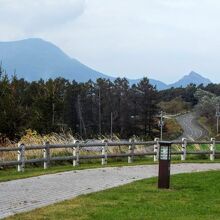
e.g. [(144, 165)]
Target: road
[(192, 129), (27, 194)]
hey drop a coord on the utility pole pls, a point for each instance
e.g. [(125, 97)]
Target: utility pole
[(81, 121), (161, 124), (100, 116), (53, 113), (217, 115), (111, 126)]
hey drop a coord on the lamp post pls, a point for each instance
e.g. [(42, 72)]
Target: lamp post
[(164, 164)]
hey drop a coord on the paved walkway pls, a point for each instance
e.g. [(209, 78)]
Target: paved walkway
[(27, 194)]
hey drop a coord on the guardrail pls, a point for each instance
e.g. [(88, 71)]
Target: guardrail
[(77, 146)]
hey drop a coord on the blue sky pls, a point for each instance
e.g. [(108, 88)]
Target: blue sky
[(161, 39)]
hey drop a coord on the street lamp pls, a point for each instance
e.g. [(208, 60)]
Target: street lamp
[(164, 164)]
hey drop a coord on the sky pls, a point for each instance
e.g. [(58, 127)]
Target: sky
[(160, 39)]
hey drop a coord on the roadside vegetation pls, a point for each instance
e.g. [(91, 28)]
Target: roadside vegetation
[(206, 109), (203, 121), (201, 99), (175, 106), (192, 196), (172, 129), (32, 138)]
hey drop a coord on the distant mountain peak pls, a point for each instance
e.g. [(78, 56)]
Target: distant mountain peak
[(193, 73), (35, 58), (28, 41), (32, 39), (192, 78)]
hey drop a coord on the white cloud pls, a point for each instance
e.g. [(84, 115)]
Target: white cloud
[(162, 38), (36, 16)]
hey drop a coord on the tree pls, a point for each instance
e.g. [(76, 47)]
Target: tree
[(148, 105), (85, 108), (207, 104)]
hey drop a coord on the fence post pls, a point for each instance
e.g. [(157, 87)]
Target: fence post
[(46, 155), (104, 152), (156, 149), (184, 144), (131, 151), (21, 157), (76, 154), (212, 149)]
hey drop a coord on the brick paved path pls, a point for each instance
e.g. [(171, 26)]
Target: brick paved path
[(27, 194)]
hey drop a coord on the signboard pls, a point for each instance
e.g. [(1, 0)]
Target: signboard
[(164, 153), (217, 114)]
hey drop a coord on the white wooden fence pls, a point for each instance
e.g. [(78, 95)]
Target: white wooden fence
[(77, 146)]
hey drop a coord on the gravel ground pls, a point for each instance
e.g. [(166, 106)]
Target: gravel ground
[(27, 194)]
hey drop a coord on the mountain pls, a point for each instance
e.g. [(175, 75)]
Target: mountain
[(160, 85), (192, 77), (35, 58)]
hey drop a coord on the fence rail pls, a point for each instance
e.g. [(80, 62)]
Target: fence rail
[(105, 145)]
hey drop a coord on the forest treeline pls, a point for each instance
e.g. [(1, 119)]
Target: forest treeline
[(87, 109)]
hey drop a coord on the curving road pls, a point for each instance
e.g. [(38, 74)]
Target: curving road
[(192, 130)]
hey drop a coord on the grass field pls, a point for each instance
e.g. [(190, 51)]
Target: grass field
[(193, 196)]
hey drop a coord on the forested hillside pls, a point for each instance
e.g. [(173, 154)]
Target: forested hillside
[(87, 109), (92, 109)]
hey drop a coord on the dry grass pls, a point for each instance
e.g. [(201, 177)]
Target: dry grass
[(32, 138), (5, 142)]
